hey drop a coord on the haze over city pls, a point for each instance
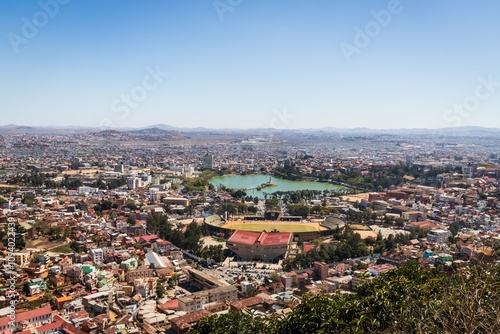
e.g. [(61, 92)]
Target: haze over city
[(250, 64)]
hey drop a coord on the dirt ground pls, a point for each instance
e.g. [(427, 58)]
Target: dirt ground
[(366, 234), (44, 243), (207, 241), (353, 198)]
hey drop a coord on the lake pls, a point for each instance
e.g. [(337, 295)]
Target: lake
[(252, 181)]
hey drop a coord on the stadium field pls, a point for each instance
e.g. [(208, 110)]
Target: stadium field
[(269, 226)]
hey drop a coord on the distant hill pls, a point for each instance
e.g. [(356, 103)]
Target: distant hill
[(151, 131), (160, 129), (12, 128)]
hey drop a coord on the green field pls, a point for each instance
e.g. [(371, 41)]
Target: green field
[(282, 227), (359, 227)]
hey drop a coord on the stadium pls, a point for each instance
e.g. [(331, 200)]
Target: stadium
[(301, 230)]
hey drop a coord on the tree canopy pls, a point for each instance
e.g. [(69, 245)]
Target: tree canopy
[(405, 300)]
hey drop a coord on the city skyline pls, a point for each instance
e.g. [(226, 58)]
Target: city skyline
[(241, 64)]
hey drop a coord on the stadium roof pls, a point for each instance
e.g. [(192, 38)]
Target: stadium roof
[(264, 238)]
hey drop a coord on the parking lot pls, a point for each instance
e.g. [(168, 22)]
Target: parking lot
[(241, 272)]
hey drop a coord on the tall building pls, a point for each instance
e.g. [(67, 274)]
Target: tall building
[(438, 236), (133, 183), (208, 162), (321, 270), (469, 170), (97, 255)]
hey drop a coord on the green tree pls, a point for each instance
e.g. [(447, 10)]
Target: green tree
[(160, 291), (131, 220)]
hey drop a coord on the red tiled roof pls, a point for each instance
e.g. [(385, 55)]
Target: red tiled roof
[(171, 304), (275, 238), (23, 316), (52, 326), (264, 238), (185, 321), (244, 237), (146, 238), (426, 224)]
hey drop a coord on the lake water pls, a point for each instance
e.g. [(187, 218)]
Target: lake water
[(252, 181)]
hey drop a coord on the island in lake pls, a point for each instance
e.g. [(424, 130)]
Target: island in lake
[(269, 183)]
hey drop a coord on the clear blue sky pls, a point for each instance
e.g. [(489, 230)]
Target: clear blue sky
[(264, 64)]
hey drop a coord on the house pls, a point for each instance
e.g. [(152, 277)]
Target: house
[(378, 269), (34, 286), (28, 319), (248, 303), (184, 323), (62, 301), (22, 258), (52, 328)]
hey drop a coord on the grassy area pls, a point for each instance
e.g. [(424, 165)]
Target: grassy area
[(486, 165), (61, 249), (282, 227)]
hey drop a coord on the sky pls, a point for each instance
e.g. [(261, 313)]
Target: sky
[(284, 64)]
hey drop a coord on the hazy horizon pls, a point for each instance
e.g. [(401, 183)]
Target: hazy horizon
[(153, 126), (234, 64)]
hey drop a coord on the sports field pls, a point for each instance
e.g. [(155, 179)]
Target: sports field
[(269, 226), (366, 234), (359, 227)]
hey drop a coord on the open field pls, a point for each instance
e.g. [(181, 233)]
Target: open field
[(210, 241), (387, 231), (269, 226), (81, 172), (357, 197), (359, 227), (44, 243), (366, 234)]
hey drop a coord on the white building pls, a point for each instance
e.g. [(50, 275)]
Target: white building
[(246, 286), (97, 255), (87, 190), (438, 236), (134, 183)]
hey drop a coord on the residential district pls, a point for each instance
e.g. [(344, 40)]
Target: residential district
[(123, 232)]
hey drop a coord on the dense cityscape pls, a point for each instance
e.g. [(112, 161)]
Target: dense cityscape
[(249, 167), (134, 231)]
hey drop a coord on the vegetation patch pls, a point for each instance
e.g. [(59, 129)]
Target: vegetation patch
[(405, 300)]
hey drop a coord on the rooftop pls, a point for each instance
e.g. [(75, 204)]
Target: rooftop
[(264, 238)]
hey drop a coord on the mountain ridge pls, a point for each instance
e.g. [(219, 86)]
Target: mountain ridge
[(165, 128)]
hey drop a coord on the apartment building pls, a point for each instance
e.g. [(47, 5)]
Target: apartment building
[(198, 300)]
